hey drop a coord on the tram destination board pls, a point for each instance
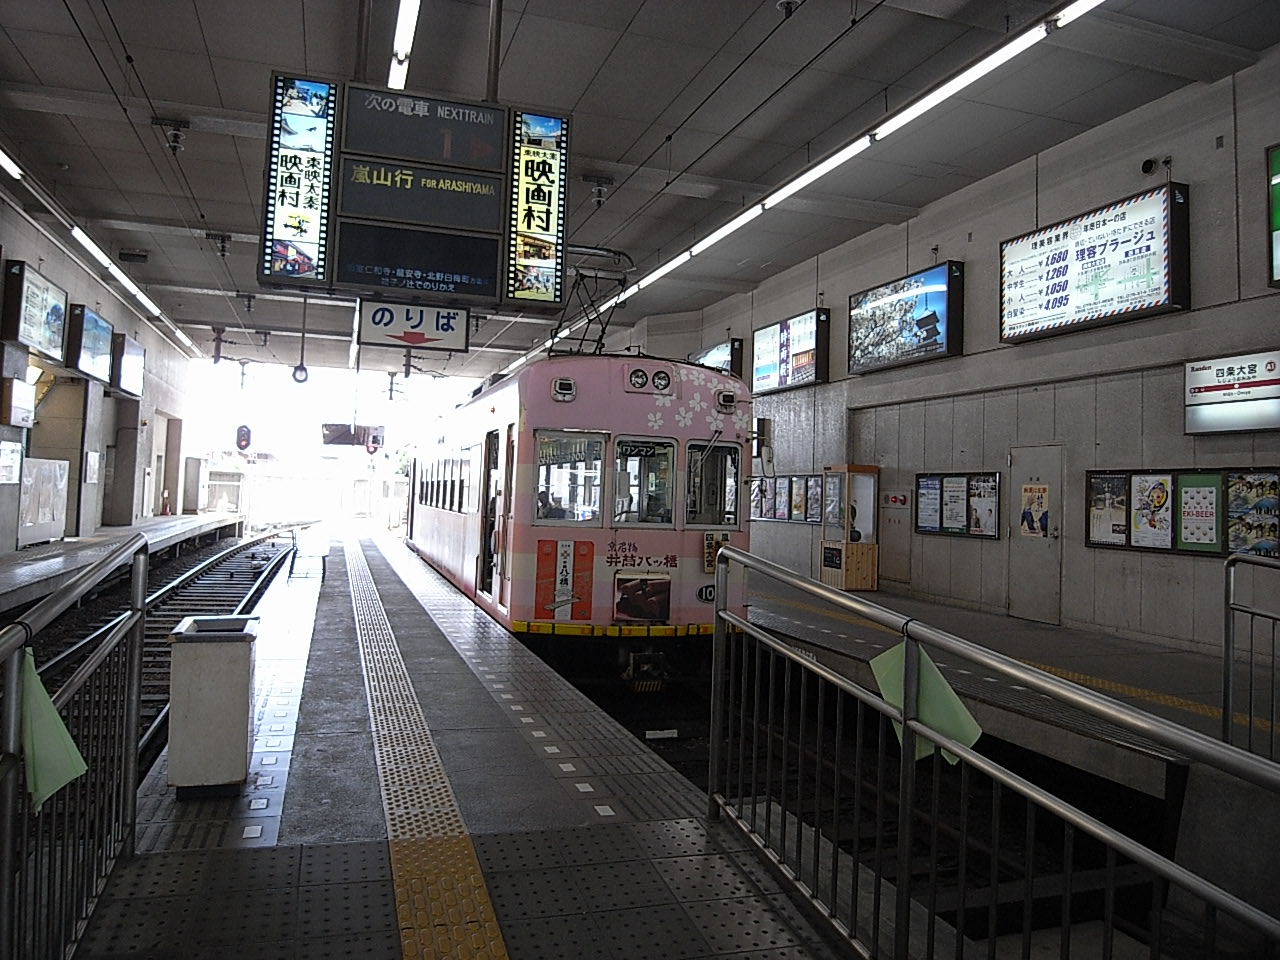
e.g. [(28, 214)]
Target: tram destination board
[(390, 123), (1126, 260), (375, 256), (417, 194)]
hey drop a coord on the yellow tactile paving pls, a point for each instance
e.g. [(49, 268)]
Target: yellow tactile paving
[(441, 900)]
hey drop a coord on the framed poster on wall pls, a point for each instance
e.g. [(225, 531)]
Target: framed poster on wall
[(798, 489), (928, 504), (1198, 503), (1253, 513), (757, 495), (1107, 496), (813, 499), (1151, 510), (984, 505), (768, 485), (782, 500), (955, 497)]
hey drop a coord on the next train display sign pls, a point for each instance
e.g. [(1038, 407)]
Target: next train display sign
[(1125, 260), (298, 171)]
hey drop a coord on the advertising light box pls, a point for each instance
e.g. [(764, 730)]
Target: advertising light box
[(298, 173), (1273, 211), (915, 318), (791, 353), (1126, 260), (725, 356), (535, 246), (89, 343), (35, 310), (127, 359)]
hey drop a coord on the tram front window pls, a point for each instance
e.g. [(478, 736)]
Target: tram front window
[(712, 491), (568, 477), (642, 489)]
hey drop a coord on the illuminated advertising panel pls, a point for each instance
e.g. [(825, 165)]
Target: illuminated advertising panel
[(1273, 211), (298, 171), (127, 360), (89, 343), (1233, 393), (35, 309), (535, 246), (791, 353), (1129, 259), (918, 317), (725, 356)]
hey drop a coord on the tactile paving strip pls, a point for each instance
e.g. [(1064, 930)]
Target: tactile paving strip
[(441, 899)]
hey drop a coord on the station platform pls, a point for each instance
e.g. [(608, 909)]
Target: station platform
[(423, 786), (34, 572)]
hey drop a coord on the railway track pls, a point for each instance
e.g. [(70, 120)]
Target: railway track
[(220, 580)]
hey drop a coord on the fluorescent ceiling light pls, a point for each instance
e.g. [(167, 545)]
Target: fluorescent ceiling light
[(9, 166), (953, 86), (1073, 11), (148, 303), (92, 247), (398, 73), (741, 220), (124, 279), (406, 24), (814, 173), (663, 270)]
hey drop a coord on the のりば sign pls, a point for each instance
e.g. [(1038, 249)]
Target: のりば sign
[(414, 326)]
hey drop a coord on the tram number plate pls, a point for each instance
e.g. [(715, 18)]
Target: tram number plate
[(707, 594)]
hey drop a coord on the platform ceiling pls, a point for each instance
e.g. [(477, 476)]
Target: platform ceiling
[(683, 111)]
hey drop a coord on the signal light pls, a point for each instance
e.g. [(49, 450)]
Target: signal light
[(243, 437)]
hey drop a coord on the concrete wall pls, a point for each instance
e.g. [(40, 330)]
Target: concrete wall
[(23, 239), (1111, 396)]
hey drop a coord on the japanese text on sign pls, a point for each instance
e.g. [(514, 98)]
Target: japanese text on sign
[(417, 327), (535, 251)]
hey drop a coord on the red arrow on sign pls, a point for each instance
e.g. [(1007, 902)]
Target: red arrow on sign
[(413, 336)]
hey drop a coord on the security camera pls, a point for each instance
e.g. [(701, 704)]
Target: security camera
[(788, 7), (1150, 165)]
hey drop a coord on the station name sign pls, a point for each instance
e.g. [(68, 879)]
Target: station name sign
[(1122, 261), (371, 189)]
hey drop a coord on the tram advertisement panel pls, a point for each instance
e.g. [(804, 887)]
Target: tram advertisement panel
[(1125, 260)]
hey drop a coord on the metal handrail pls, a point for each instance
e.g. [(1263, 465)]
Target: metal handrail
[(13, 638), (1209, 751), (1229, 609)]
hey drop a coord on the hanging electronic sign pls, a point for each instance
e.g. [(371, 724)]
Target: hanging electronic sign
[(791, 353), (535, 245), (127, 360), (35, 309), (918, 317), (431, 262), (410, 193), (414, 326), (392, 123), (1273, 210), (298, 172), (89, 342), (1129, 259)]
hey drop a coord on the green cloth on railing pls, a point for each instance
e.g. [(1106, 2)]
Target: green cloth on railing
[(51, 757), (937, 705)]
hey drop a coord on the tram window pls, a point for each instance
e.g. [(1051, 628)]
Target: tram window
[(643, 472), (567, 480), (712, 493)]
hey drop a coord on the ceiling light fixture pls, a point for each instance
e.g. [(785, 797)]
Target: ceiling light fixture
[(913, 111), (402, 45), (10, 167), (95, 250)]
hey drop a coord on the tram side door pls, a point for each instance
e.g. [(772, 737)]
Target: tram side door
[(489, 514), (504, 533)]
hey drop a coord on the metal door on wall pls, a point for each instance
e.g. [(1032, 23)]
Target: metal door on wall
[(1035, 525)]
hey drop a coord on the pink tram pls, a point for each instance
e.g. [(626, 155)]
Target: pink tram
[(586, 496)]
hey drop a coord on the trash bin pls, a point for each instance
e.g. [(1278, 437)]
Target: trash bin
[(211, 704)]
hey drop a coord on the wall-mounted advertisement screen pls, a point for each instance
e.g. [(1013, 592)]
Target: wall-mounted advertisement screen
[(535, 246), (127, 361), (298, 171), (1129, 259), (1273, 211), (89, 342), (1233, 393), (725, 356), (791, 353), (918, 317), (35, 310)]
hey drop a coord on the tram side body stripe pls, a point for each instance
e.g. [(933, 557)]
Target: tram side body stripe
[(442, 903)]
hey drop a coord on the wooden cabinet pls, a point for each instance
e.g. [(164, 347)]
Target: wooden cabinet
[(849, 554)]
